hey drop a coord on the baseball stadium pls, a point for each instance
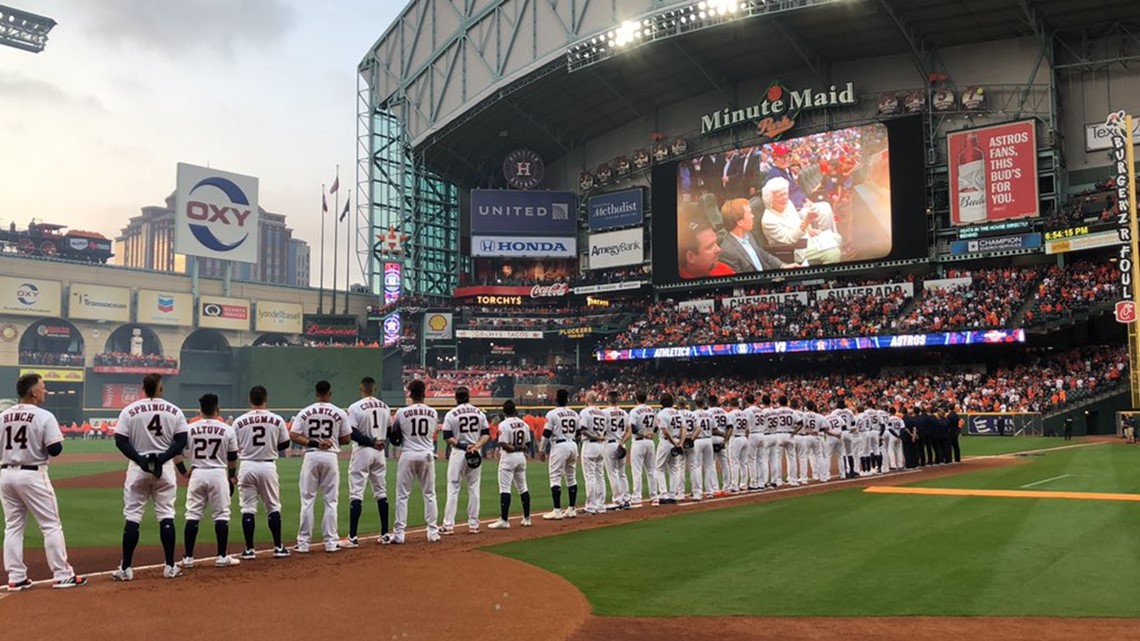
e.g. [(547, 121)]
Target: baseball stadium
[(761, 319)]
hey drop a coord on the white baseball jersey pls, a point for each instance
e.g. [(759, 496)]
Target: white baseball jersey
[(896, 425), (561, 424), (369, 416), (644, 420), (209, 443), (617, 422), (758, 422), (417, 423), (884, 418), (689, 420), (322, 420), (150, 424), (835, 425), (841, 419), (704, 422), (594, 422), (465, 423), (781, 420), (259, 434), (26, 431), (671, 419), (718, 421), (868, 421), (514, 432), (814, 424)]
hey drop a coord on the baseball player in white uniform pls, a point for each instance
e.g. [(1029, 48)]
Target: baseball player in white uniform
[(688, 444), (321, 428), (594, 425), (618, 434), (894, 444), (369, 419), (465, 429), (212, 450), (262, 437), (833, 444), (761, 439), (150, 433), (642, 452), (415, 426), (849, 437), (721, 432), (561, 432), (814, 426), (514, 434), (701, 456), (739, 460), (29, 435), (784, 423), (672, 427)]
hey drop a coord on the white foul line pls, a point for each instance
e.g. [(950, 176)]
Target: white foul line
[(1055, 478)]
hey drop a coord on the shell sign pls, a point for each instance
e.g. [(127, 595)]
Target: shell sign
[(438, 326)]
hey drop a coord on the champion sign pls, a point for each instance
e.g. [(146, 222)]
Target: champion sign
[(523, 246), (534, 213), (619, 209), (216, 214)]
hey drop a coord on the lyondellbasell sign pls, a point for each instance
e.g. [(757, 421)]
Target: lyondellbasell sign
[(774, 113)]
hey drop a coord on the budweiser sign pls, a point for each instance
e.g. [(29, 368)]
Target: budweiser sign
[(549, 291)]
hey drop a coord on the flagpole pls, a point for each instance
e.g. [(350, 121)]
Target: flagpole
[(347, 250), (321, 295), (336, 237)]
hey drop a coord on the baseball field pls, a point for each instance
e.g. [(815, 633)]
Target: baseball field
[(1039, 545)]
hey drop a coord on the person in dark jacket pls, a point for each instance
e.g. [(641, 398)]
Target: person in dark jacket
[(955, 424)]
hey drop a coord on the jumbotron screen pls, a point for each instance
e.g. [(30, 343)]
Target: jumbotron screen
[(837, 197)]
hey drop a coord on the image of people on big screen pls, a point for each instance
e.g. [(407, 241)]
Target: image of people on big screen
[(816, 200)]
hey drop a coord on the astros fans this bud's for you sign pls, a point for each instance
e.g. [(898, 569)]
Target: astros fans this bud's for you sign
[(993, 173), (215, 214)]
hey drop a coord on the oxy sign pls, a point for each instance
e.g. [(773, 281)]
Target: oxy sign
[(216, 214)]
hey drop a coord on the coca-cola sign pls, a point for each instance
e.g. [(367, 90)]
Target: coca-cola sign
[(549, 291)]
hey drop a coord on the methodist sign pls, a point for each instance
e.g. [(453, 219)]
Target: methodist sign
[(774, 113)]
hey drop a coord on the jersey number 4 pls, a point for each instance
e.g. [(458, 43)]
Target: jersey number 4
[(15, 436), (155, 425)]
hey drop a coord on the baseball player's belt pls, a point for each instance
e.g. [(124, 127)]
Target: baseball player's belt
[(642, 438), (26, 468), (560, 440), (260, 460)]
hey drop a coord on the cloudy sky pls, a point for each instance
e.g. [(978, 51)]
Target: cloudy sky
[(93, 127)]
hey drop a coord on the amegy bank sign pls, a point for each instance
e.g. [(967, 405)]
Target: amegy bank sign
[(774, 113)]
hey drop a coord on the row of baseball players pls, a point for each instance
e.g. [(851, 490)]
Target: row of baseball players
[(158, 440), (754, 444)]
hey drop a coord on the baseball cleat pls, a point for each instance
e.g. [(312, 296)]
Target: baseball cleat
[(433, 537), (655, 502), (525, 521), (626, 506), (553, 515), (447, 529), (248, 555), (226, 561), (123, 574), (73, 581), (335, 547), (385, 539), (351, 542), (473, 530), (280, 552), (499, 525), (187, 562), (20, 586), (172, 571), (570, 512), (301, 549)]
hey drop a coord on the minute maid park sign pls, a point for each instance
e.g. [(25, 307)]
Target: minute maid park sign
[(774, 114)]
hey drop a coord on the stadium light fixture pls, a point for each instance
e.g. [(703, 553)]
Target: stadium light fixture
[(675, 21), (23, 30)]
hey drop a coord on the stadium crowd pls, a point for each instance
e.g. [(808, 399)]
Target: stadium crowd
[(58, 359), (1044, 380), (994, 299), (119, 359)]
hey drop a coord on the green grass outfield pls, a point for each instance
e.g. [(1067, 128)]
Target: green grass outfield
[(93, 517), (850, 553)]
